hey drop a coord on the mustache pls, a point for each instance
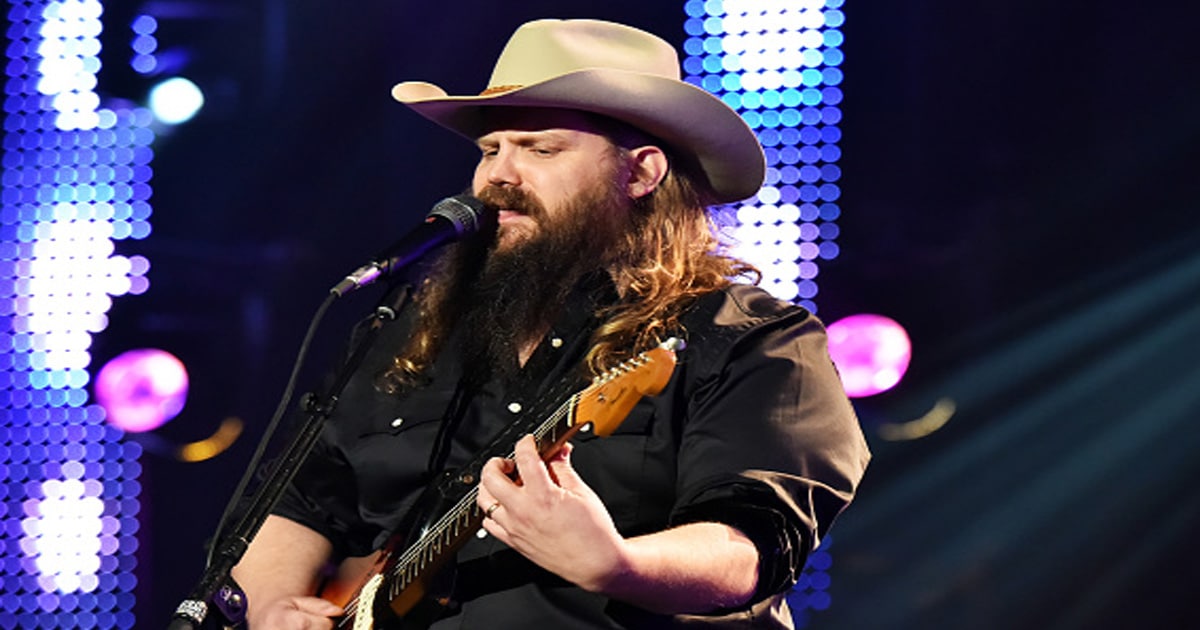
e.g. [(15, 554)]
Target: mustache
[(513, 200)]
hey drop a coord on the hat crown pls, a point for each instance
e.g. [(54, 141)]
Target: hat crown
[(544, 49)]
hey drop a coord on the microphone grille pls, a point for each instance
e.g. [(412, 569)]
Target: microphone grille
[(464, 211)]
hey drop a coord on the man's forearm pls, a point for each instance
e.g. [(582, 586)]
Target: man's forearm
[(284, 560), (695, 568)]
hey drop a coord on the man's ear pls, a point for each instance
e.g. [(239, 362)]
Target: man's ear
[(647, 168)]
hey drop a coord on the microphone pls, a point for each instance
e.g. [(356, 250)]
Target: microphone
[(450, 220)]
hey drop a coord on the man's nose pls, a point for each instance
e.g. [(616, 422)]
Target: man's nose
[(502, 170)]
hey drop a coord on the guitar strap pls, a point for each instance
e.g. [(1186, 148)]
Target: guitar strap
[(503, 443), (455, 411)]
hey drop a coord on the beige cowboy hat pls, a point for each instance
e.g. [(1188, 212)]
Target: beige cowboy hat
[(614, 70)]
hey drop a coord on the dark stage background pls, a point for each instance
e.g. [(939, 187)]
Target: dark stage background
[(1019, 190)]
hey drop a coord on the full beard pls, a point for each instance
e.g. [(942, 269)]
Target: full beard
[(508, 298)]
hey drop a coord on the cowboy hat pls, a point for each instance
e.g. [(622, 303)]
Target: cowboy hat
[(614, 70)]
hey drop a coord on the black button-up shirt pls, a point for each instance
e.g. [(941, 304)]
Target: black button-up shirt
[(753, 429)]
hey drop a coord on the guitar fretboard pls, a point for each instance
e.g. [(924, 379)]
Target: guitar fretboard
[(465, 517)]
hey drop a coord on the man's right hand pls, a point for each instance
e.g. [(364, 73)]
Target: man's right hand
[(295, 613), (280, 572)]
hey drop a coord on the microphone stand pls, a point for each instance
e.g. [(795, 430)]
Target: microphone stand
[(216, 587)]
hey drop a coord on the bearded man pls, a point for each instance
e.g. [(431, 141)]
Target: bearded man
[(701, 507)]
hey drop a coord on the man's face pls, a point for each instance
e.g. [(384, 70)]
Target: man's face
[(537, 163)]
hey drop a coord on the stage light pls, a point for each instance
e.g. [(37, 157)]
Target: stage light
[(75, 179), (140, 390), (871, 352), (176, 100), (776, 64)]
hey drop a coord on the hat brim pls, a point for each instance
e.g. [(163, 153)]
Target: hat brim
[(683, 116)]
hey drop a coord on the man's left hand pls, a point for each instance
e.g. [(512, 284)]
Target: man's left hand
[(548, 514)]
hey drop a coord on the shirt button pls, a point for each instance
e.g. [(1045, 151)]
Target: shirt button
[(397, 422), (556, 342), (514, 407)]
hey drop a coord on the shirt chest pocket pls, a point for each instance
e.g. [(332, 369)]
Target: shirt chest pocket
[(639, 421), (393, 417), (629, 470)]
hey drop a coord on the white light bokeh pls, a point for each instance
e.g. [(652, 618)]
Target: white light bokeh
[(176, 100), (62, 530)]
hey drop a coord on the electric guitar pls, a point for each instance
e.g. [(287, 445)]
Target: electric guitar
[(399, 589)]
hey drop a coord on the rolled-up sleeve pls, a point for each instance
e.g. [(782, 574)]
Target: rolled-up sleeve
[(771, 445)]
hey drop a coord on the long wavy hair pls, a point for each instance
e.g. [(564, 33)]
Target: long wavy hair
[(670, 256)]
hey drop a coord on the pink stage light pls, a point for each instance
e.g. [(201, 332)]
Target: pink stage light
[(871, 353), (140, 390)]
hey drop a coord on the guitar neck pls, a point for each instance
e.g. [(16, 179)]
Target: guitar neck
[(465, 517)]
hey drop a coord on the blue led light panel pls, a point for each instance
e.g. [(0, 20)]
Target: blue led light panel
[(776, 62), (76, 179)]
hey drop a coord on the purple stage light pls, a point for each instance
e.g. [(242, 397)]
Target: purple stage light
[(871, 352), (140, 390)]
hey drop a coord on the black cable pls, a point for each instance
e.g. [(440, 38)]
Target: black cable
[(280, 411)]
